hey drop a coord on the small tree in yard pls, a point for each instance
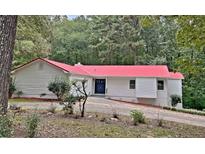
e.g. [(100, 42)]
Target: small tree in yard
[(80, 87), (59, 87)]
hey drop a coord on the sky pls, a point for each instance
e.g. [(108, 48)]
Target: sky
[(71, 17)]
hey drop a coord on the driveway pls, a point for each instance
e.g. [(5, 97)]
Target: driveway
[(100, 104)]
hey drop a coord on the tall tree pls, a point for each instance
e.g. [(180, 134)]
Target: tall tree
[(33, 38), (70, 41), (7, 40), (159, 35), (191, 62), (116, 39)]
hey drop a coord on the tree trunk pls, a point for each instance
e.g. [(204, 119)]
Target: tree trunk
[(83, 108), (7, 40)]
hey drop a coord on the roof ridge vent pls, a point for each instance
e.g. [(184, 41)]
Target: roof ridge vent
[(78, 64)]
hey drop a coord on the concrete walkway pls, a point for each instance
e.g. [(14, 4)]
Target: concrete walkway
[(100, 104)]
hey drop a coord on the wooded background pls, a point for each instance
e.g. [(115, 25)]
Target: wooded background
[(176, 41)]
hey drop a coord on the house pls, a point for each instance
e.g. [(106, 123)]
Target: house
[(149, 84)]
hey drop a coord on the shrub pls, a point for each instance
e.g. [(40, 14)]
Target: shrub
[(115, 115), (195, 102), (12, 87), (138, 117), (52, 108), (5, 126), (193, 99), (59, 87), (19, 93), (68, 103), (32, 124), (103, 119), (160, 122), (175, 99)]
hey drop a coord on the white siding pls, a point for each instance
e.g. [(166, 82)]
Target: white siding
[(146, 88), (119, 87), (174, 88), (88, 84), (162, 99), (34, 78)]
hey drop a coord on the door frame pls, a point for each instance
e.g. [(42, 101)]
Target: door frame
[(94, 81)]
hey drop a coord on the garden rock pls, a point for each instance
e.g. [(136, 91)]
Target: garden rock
[(114, 119), (90, 116), (14, 107), (49, 113)]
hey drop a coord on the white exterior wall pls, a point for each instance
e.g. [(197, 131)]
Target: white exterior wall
[(162, 95), (89, 83), (119, 87), (174, 88), (146, 88), (33, 79), (147, 93)]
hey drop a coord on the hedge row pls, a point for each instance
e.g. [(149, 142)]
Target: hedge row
[(190, 111)]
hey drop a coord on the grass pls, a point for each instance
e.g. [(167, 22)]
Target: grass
[(57, 125), (189, 111), (24, 100)]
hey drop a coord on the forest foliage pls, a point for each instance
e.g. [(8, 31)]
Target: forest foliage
[(176, 41)]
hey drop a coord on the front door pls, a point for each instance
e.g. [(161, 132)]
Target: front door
[(100, 86)]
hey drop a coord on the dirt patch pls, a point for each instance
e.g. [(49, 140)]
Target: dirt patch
[(100, 125)]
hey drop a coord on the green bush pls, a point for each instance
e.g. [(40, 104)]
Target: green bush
[(68, 103), (175, 99), (160, 122), (193, 98), (32, 124), (59, 87), (12, 87), (19, 93), (138, 117), (193, 102), (5, 126)]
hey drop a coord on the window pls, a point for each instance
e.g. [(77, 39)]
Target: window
[(132, 84), (160, 85)]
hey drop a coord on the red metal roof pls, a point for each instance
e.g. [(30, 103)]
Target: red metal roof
[(124, 71), (160, 71), (66, 67), (120, 70), (176, 75)]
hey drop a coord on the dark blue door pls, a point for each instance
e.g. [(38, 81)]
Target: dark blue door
[(99, 86)]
